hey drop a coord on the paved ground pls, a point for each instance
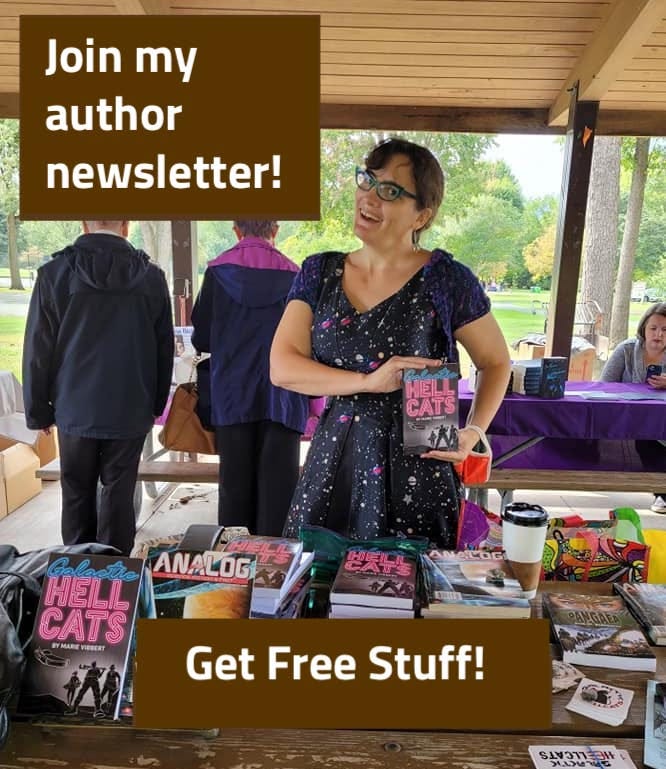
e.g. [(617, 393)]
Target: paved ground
[(14, 302)]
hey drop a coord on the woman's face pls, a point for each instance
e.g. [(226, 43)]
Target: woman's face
[(384, 224), (655, 333)]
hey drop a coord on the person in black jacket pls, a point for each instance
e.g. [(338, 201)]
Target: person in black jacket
[(97, 362)]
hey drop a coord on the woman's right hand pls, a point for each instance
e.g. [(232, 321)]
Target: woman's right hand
[(388, 377)]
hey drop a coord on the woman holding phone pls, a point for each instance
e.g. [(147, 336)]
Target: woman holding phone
[(642, 358)]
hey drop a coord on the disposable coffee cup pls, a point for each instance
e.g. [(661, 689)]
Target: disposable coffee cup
[(523, 537)]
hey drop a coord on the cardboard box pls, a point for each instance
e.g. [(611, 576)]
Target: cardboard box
[(13, 430), (18, 484), (581, 364)]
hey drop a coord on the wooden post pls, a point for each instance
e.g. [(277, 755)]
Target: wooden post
[(571, 224), (183, 278)]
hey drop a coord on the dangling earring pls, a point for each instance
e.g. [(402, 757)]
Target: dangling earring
[(416, 234)]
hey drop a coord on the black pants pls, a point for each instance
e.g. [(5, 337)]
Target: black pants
[(258, 474), (84, 462)]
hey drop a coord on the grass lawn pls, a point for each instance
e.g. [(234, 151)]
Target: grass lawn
[(11, 343), (518, 313)]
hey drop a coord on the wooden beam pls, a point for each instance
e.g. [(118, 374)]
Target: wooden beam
[(143, 7), (393, 118), (616, 42), (571, 224), (183, 283), (9, 105)]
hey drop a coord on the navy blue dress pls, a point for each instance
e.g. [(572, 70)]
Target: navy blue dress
[(356, 479)]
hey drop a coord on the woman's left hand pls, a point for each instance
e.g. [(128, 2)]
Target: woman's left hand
[(467, 440), (658, 382)]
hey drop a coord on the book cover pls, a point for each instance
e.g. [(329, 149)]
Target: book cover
[(553, 376), (192, 584), (647, 602), (430, 408), (471, 583), (654, 750), (598, 631), (370, 577), (277, 560), (78, 655)]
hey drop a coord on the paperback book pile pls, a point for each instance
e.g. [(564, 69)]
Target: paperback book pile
[(374, 583), (597, 630), (654, 752), (647, 602), (580, 756), (430, 408), (202, 585), (471, 583), (602, 702), (78, 656), (542, 377), (281, 566)]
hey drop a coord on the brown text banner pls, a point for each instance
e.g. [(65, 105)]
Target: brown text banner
[(375, 674), (169, 117)]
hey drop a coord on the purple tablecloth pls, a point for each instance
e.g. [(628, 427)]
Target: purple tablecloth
[(578, 433)]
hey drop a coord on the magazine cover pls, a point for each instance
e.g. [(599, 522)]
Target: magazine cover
[(655, 725), (471, 583), (430, 408), (202, 585), (77, 658)]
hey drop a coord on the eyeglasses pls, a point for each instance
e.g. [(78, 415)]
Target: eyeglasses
[(388, 191)]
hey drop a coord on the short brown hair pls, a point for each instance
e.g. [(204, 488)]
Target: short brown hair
[(658, 308), (257, 228), (427, 172)]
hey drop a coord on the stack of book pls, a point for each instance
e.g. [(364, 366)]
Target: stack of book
[(541, 377), (647, 603), (282, 577), (597, 630), (471, 584), (374, 583)]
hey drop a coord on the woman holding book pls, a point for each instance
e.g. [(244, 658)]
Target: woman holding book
[(354, 321), (642, 358)]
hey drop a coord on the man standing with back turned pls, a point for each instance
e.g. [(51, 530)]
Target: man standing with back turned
[(97, 363)]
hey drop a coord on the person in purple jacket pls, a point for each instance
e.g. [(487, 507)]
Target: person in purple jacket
[(354, 321), (258, 426)]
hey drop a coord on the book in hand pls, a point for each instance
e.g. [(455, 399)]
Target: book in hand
[(192, 584), (601, 702), (374, 582), (580, 756), (647, 602), (78, 655), (430, 408), (280, 562), (471, 583), (654, 751), (597, 630)]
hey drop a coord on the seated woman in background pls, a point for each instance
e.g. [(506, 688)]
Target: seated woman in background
[(631, 361), (353, 322)]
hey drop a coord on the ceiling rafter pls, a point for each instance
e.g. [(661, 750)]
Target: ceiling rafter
[(618, 40)]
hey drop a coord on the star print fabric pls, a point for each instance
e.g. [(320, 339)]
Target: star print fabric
[(356, 479)]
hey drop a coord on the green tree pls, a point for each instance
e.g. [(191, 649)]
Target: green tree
[(9, 194), (539, 254)]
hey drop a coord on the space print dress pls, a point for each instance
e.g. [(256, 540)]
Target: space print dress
[(356, 479)]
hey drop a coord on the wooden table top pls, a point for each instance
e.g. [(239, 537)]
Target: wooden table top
[(75, 748)]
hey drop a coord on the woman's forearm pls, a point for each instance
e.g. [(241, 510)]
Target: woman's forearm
[(489, 392), (293, 371)]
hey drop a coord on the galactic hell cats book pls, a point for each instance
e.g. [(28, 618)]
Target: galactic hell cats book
[(382, 578), (77, 657), (430, 409)]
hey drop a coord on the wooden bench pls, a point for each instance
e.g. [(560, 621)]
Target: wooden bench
[(506, 481), (153, 472)]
